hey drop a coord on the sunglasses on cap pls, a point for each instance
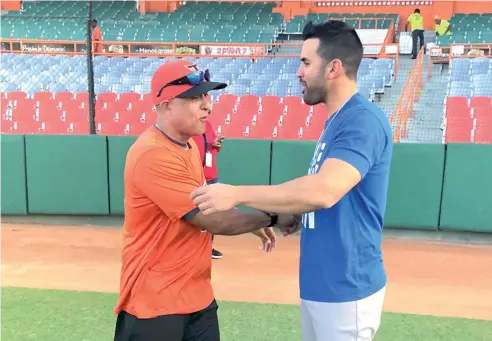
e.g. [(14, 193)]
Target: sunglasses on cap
[(193, 79)]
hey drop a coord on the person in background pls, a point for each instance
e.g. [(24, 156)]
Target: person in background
[(209, 144), (443, 27), (96, 37), (416, 22)]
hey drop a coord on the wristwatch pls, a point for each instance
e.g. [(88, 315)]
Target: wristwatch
[(273, 218)]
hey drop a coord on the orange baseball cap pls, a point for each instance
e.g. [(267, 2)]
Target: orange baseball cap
[(181, 78)]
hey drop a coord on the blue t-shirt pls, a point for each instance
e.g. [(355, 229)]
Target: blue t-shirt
[(341, 258)]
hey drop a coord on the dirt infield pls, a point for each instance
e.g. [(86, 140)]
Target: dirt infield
[(424, 277)]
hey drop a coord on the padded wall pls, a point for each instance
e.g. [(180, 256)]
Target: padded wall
[(245, 162), (67, 174), (467, 194), (84, 175), (290, 159), (14, 195), (415, 186), (118, 147)]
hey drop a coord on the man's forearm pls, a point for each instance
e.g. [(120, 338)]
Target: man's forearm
[(232, 222), (302, 195)]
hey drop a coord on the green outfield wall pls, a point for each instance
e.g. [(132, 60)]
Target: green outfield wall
[(432, 186)]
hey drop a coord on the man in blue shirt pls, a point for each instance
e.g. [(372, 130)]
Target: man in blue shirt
[(342, 199)]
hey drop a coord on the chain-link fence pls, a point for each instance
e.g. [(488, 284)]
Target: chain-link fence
[(45, 75)]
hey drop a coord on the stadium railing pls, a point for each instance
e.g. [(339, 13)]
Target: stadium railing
[(404, 109)]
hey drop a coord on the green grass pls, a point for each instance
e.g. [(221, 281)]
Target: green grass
[(51, 315)]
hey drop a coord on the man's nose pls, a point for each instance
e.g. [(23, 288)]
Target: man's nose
[(299, 73), (206, 102)]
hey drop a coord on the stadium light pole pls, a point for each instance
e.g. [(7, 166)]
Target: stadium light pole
[(90, 72)]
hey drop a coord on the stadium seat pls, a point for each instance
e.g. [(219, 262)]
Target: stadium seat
[(120, 21), (468, 28)]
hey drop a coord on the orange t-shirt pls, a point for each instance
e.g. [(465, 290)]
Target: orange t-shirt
[(166, 261), (97, 37)]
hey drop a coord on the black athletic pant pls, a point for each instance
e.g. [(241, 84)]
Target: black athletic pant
[(417, 35), (200, 326)]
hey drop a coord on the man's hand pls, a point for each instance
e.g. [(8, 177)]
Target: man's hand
[(214, 198), (289, 224), (268, 238), (217, 143)]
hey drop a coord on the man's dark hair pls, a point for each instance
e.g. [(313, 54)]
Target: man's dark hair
[(94, 21), (416, 11), (337, 40)]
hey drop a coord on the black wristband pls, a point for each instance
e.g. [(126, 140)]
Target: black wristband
[(273, 219)]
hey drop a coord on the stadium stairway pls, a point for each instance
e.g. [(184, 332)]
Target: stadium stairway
[(426, 126), (388, 101)]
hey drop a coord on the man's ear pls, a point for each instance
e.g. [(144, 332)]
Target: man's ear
[(334, 69)]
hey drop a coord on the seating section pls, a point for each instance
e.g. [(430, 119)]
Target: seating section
[(371, 39), (468, 106), (358, 20), (266, 76), (468, 28), (194, 21), (131, 113)]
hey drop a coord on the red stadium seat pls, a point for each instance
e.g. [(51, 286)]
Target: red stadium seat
[(16, 95), (56, 127), (48, 111), (112, 128), (244, 118), (64, 96), (264, 131), (481, 101), (24, 110), (107, 97), (288, 132), (292, 100), (458, 129), (26, 127), (43, 96), (79, 128), (7, 125), (82, 98), (270, 100), (147, 98), (148, 117), (227, 99), (312, 133), (482, 113)]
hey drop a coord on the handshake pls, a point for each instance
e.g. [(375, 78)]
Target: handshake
[(286, 223)]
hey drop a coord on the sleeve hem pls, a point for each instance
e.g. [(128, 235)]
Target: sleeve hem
[(181, 213)]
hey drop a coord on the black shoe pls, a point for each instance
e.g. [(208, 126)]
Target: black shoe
[(216, 254)]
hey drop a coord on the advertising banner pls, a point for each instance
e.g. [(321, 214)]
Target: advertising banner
[(231, 50)]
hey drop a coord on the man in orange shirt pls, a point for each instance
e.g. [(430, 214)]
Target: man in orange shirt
[(165, 282), (209, 145), (96, 37)]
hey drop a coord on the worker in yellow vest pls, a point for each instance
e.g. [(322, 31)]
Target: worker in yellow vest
[(416, 22), (443, 27)]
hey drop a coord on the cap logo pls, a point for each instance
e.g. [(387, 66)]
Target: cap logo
[(192, 67)]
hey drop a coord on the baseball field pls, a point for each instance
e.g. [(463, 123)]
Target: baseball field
[(60, 283)]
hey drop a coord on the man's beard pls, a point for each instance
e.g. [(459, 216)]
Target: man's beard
[(314, 95)]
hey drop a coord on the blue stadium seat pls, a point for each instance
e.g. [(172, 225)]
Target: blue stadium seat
[(273, 76)]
